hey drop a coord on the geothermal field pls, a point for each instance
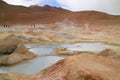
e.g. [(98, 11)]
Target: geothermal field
[(49, 43)]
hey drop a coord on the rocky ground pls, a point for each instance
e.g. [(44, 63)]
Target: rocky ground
[(101, 66), (88, 66), (13, 51)]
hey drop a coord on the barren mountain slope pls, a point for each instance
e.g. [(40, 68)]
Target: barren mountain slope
[(36, 14)]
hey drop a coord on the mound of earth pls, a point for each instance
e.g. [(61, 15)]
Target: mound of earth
[(110, 53), (77, 67), (82, 67), (12, 51)]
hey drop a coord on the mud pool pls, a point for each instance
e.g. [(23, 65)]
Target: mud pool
[(32, 66), (83, 46), (46, 59)]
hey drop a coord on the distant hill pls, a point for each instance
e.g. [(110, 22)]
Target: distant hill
[(11, 14)]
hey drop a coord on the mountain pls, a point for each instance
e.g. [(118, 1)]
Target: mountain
[(11, 14), (45, 8)]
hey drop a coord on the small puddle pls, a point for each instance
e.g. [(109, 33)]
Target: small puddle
[(32, 66)]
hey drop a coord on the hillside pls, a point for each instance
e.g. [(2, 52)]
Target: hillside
[(10, 14)]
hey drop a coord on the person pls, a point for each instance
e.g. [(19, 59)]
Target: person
[(5, 26)]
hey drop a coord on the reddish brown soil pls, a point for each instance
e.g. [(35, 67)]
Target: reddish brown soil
[(11, 14)]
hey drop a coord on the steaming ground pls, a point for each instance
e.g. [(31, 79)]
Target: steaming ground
[(64, 32)]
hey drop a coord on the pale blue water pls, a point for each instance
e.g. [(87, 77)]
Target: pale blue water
[(32, 66), (83, 46), (89, 46), (35, 65)]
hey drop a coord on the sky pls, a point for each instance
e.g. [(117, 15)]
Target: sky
[(108, 6)]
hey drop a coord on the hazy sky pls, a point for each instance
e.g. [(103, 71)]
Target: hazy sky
[(109, 6)]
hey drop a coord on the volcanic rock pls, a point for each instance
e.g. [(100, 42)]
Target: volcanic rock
[(13, 51), (110, 53), (8, 45)]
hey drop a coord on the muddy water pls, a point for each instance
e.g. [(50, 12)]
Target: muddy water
[(83, 46), (32, 66), (89, 46), (44, 50)]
